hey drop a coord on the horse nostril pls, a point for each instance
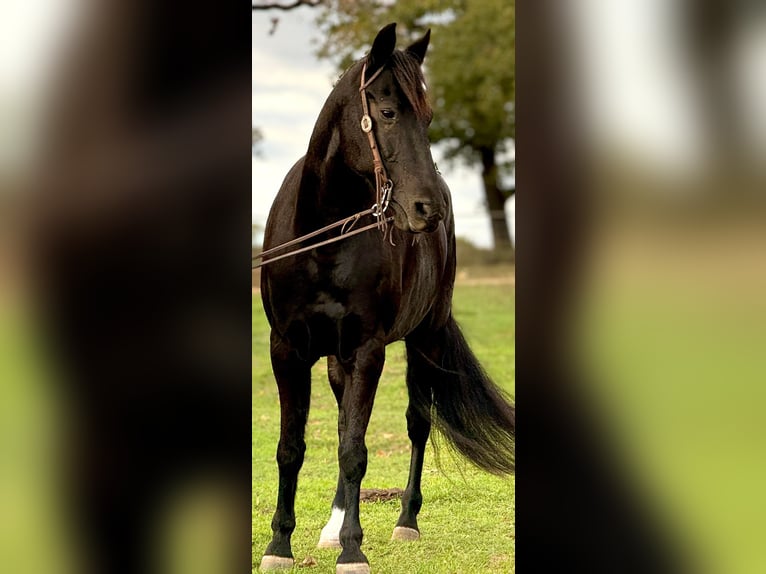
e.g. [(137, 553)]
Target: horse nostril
[(427, 210), (422, 209)]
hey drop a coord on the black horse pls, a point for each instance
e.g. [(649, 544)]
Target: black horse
[(350, 299)]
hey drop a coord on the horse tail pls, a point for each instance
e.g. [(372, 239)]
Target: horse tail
[(465, 406)]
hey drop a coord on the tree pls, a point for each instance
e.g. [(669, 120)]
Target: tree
[(471, 71)]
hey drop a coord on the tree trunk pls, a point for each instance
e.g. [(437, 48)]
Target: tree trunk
[(496, 198)]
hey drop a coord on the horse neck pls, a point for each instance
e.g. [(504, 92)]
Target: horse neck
[(329, 188)]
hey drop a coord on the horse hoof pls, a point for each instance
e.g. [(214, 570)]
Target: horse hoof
[(329, 543), (405, 534), (269, 563), (353, 568)]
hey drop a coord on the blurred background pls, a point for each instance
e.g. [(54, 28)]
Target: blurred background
[(30, 36), (649, 246), (663, 103), (124, 298)]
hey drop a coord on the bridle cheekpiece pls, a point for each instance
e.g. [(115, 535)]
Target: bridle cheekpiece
[(384, 187)]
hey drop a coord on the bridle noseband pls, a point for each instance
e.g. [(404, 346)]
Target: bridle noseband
[(384, 188)]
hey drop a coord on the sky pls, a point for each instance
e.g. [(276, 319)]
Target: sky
[(290, 87)]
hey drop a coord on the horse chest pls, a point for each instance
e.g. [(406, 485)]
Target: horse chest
[(328, 306), (322, 321)]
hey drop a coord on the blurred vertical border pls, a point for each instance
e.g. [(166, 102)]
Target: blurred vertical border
[(125, 323), (641, 320)]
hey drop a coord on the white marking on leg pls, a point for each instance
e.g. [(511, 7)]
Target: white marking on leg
[(330, 536)]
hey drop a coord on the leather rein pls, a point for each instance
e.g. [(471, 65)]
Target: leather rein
[(383, 190)]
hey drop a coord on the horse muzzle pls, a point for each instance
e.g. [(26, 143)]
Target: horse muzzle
[(424, 216), (418, 217), (428, 225)]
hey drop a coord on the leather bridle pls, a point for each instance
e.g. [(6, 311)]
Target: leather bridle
[(384, 187)]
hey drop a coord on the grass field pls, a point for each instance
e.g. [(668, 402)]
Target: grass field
[(467, 520)]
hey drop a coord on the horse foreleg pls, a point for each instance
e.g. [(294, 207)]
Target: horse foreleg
[(330, 535), (294, 381), (358, 398), (418, 429)]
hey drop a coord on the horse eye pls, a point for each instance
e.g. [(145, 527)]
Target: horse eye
[(388, 114)]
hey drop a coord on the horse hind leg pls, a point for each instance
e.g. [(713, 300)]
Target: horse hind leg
[(330, 535), (294, 381), (418, 429)]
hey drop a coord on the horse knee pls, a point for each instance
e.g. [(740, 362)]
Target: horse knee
[(352, 458), (290, 456)]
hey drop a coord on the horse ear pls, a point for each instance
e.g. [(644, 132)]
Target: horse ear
[(382, 48), (419, 47)]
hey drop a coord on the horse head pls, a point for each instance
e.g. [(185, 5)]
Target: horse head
[(400, 114)]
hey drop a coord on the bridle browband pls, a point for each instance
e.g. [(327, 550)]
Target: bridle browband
[(384, 187)]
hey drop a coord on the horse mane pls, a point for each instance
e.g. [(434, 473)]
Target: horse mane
[(409, 76)]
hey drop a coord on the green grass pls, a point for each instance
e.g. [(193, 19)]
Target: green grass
[(467, 519), (30, 422)]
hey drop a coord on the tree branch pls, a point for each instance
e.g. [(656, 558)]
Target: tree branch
[(279, 6)]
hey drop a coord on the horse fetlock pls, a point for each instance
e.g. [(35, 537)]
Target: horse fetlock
[(351, 540), (412, 502), (282, 525)]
